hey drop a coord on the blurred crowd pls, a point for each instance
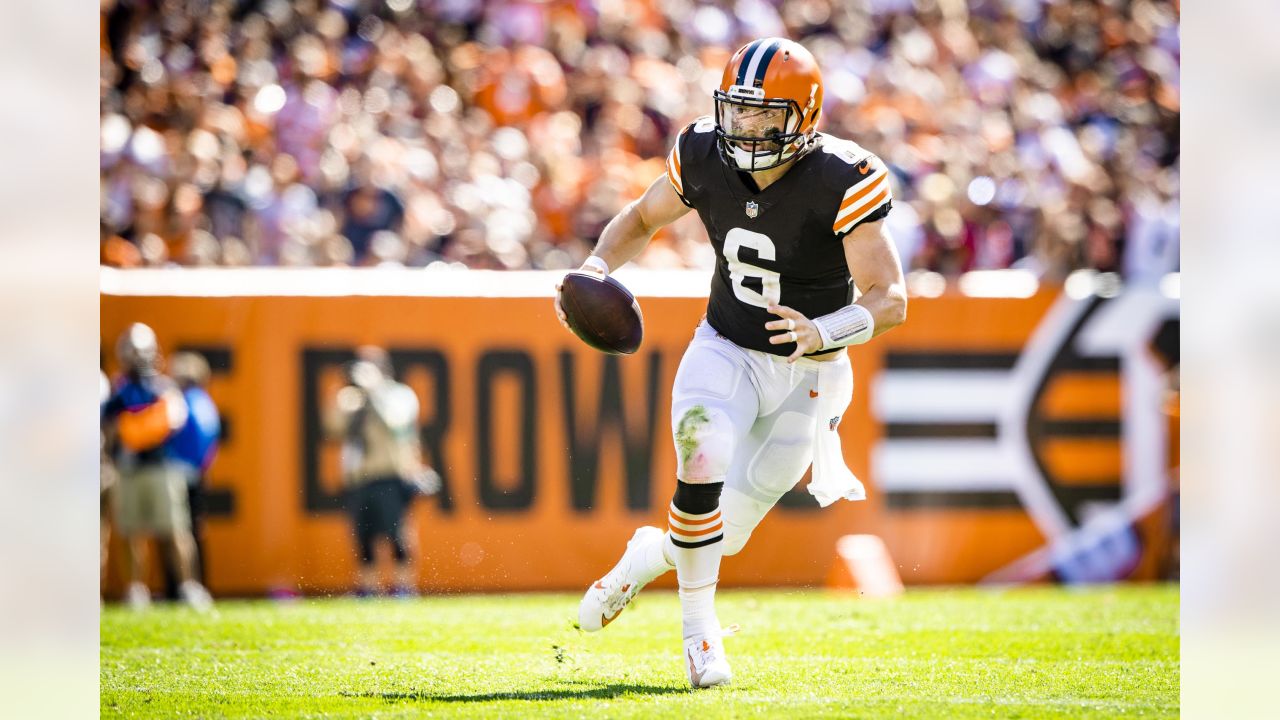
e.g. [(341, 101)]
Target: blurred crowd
[(1040, 134)]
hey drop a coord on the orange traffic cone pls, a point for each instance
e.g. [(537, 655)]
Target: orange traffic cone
[(863, 564)]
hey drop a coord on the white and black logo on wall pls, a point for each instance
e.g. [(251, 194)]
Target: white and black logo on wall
[(974, 429)]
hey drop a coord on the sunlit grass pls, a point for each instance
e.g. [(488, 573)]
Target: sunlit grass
[(1029, 653)]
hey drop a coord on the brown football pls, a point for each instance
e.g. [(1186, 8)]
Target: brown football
[(602, 312)]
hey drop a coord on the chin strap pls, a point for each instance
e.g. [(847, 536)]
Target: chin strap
[(803, 147), (850, 325)]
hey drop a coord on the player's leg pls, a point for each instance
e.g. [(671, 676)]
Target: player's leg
[(642, 562), (384, 508), (774, 457), (784, 442), (395, 501), (362, 527), (172, 520), (138, 595), (108, 500), (130, 516), (648, 555), (106, 508), (714, 403), (195, 505)]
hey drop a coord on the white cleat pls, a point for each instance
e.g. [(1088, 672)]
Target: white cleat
[(706, 662), (609, 596), (138, 596), (195, 595)]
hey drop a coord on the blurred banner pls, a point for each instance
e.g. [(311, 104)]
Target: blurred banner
[(1001, 438)]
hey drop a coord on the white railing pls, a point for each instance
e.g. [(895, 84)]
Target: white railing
[(419, 282)]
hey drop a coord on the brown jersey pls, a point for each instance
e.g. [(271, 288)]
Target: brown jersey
[(783, 244)]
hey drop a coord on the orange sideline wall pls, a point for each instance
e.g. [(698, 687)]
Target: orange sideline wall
[(527, 506)]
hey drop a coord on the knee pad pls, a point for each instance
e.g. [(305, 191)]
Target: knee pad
[(704, 440)]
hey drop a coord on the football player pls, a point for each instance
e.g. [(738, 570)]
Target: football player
[(804, 268)]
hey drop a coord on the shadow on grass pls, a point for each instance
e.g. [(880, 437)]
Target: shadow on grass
[(585, 691)]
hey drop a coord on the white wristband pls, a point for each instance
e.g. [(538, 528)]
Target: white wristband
[(850, 325), (595, 262)]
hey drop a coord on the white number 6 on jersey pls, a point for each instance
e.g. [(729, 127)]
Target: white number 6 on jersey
[(771, 282)]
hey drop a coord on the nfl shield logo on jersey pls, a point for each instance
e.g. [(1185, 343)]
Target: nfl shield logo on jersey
[(752, 209)]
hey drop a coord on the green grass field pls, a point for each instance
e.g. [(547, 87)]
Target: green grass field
[(1027, 653)]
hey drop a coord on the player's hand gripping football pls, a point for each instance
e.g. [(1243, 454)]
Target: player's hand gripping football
[(796, 328), (564, 321)]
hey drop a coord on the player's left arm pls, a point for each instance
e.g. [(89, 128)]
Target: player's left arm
[(877, 273), (882, 305)]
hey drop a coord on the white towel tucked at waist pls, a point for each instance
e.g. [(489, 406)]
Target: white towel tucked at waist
[(832, 479)]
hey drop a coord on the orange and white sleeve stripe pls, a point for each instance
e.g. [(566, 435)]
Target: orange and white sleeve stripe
[(690, 531), (864, 197), (673, 168)]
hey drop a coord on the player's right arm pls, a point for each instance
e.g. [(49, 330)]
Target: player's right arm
[(630, 230)]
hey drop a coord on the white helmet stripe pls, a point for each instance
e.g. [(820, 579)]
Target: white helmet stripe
[(752, 49), (764, 52)]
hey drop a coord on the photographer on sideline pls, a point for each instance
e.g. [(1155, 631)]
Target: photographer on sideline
[(377, 420)]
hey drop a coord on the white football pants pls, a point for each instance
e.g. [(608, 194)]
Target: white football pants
[(749, 419)]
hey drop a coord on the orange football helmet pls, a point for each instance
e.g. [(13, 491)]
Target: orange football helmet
[(768, 104)]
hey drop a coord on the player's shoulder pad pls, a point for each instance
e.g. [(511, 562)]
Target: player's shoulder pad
[(692, 146), (862, 179)]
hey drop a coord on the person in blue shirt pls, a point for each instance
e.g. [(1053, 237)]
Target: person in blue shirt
[(195, 445), (142, 415)]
